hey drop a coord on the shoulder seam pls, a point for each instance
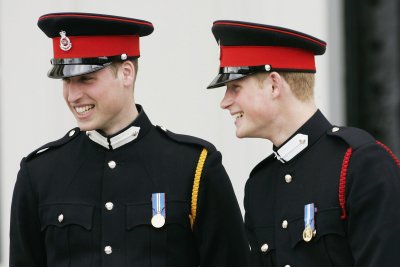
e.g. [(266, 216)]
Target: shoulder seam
[(187, 139), (270, 157), (65, 139)]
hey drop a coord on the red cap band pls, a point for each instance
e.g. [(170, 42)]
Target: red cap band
[(98, 46), (276, 56)]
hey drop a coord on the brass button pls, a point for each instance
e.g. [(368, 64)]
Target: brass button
[(112, 164), (288, 178), (108, 250), (264, 248), (109, 205)]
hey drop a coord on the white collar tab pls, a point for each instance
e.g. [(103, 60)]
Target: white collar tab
[(293, 147), (117, 141)]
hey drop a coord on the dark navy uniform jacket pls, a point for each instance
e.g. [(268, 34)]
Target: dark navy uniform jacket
[(278, 190), (86, 201)]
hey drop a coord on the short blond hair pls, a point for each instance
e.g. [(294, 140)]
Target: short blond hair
[(301, 84)]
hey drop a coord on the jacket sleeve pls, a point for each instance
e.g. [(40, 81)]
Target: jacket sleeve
[(26, 242), (373, 205), (219, 228)]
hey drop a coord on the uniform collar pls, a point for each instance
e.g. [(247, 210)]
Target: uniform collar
[(137, 129), (304, 137)]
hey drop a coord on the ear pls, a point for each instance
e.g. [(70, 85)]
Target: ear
[(128, 73), (276, 83)]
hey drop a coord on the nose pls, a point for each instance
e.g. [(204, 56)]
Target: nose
[(227, 99), (72, 91)]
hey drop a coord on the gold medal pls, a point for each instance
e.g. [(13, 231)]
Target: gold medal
[(158, 220), (308, 234)]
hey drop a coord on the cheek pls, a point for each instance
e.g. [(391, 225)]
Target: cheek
[(260, 109), (112, 99)]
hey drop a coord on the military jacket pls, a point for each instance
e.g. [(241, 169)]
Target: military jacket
[(86, 200), (305, 170)]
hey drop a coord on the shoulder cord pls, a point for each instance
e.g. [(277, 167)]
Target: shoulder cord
[(342, 182), (390, 153), (196, 185), (343, 176)]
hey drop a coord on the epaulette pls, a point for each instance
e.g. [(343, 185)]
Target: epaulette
[(354, 137), (68, 137), (181, 138)]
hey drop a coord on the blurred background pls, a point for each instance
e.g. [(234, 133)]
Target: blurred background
[(357, 80)]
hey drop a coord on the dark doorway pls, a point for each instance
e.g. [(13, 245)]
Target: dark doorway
[(372, 52)]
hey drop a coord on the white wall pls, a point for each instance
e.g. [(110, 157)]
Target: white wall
[(178, 61)]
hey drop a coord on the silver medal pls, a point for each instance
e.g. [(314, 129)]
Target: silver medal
[(158, 220)]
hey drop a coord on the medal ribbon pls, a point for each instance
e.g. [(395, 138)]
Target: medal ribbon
[(309, 211), (158, 203)]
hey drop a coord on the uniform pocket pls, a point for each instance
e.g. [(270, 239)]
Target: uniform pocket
[(147, 243), (67, 231), (327, 222), (329, 247), (140, 214)]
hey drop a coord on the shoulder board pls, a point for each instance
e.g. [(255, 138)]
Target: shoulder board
[(354, 137), (68, 137), (181, 138), (271, 157)]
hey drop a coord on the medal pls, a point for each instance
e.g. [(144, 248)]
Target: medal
[(307, 234), (309, 223), (158, 220), (158, 207)]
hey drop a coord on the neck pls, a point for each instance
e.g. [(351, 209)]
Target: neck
[(292, 118), (129, 115)]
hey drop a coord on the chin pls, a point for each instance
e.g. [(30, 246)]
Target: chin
[(86, 127), (240, 134)]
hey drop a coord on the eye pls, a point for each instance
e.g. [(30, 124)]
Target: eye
[(234, 88), (86, 78), (66, 80)]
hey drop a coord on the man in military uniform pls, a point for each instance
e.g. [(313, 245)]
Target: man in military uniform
[(118, 191), (328, 195)]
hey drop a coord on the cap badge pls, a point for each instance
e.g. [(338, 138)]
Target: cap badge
[(65, 43)]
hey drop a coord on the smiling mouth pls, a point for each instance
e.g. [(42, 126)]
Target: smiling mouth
[(238, 115), (83, 110)]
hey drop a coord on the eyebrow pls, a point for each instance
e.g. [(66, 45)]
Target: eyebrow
[(233, 84), (86, 76)]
